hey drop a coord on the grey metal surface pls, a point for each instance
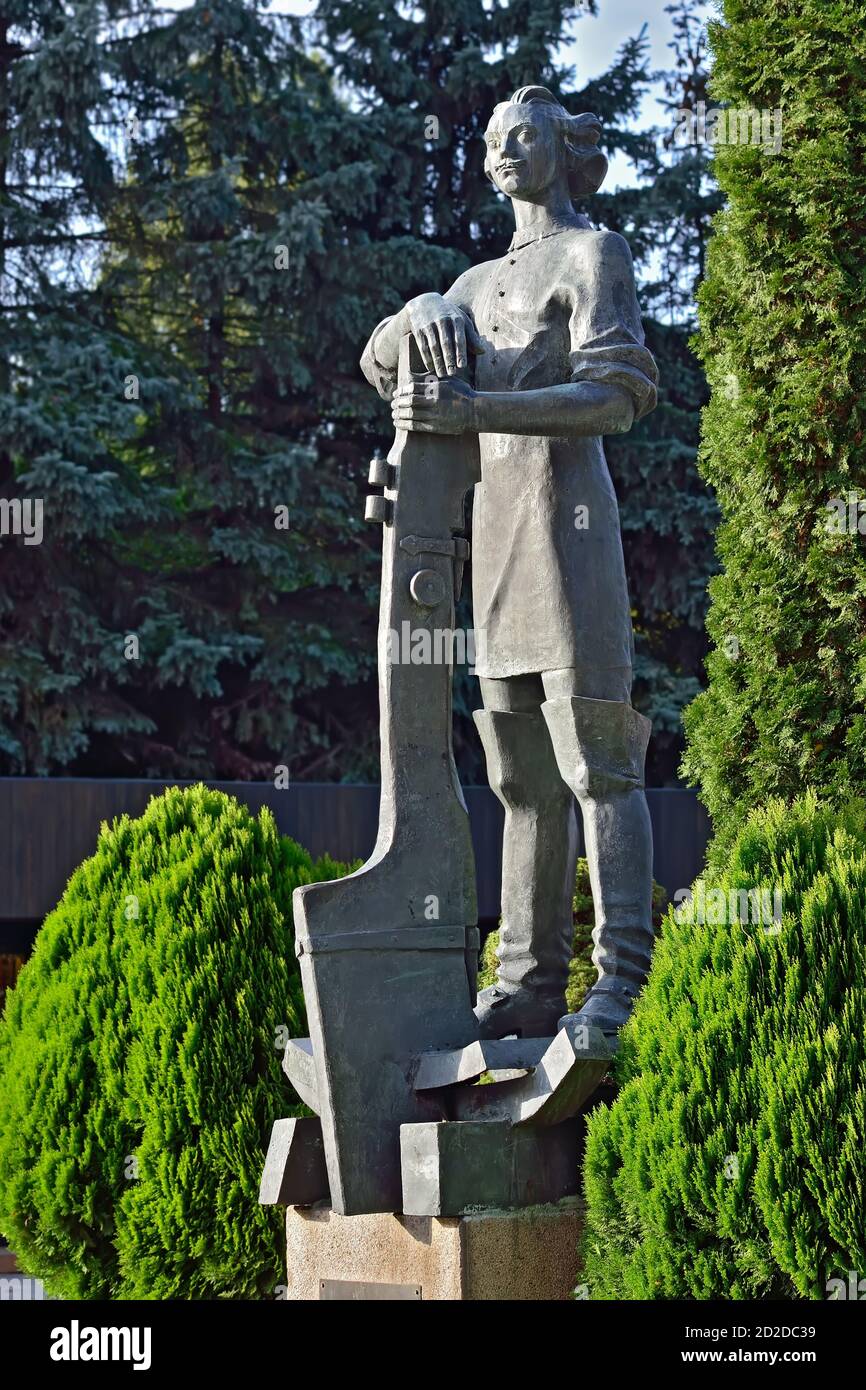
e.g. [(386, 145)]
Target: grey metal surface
[(571, 1068), (539, 853), (386, 954), (600, 746), (364, 1291), (458, 1167), (560, 362), (294, 1173), (300, 1068), (435, 1069)]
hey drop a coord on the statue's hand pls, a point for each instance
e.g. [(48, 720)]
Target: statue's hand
[(444, 334), (434, 407)]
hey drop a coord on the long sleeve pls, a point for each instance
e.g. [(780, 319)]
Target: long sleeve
[(607, 340), (383, 378)]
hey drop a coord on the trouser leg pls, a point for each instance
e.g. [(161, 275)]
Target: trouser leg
[(538, 863), (600, 748)]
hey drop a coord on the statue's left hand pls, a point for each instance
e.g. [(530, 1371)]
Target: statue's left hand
[(435, 407)]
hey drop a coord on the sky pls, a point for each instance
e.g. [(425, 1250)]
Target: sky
[(591, 50), (595, 43)]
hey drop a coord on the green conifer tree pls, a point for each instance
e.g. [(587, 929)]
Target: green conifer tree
[(181, 312), (783, 340), (183, 386), (62, 406)]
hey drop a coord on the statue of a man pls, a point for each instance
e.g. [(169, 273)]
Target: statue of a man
[(555, 332)]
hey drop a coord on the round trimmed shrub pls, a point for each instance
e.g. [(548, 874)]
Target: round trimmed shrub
[(140, 1059), (730, 1165), (581, 971)]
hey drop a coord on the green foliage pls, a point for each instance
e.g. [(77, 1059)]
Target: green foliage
[(154, 165), (169, 389), (140, 1060), (783, 340), (581, 971), (730, 1165), (667, 513)]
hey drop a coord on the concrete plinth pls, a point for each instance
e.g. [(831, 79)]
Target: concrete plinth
[(530, 1254)]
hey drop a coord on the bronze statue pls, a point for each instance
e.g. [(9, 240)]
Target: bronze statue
[(555, 333)]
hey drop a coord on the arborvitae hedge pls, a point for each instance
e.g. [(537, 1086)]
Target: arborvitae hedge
[(730, 1165), (581, 971), (140, 1059), (783, 341)]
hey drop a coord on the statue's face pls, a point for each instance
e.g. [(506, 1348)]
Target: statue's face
[(524, 148)]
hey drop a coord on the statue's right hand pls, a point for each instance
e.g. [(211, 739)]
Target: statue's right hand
[(444, 334)]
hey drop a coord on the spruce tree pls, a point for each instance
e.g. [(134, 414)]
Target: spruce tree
[(783, 340), (62, 406), (182, 310), (221, 220), (235, 252)]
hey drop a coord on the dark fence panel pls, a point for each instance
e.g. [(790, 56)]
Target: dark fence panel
[(48, 825)]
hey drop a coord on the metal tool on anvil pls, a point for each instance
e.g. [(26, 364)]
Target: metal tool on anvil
[(388, 954)]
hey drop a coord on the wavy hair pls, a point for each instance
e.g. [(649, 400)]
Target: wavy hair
[(586, 165)]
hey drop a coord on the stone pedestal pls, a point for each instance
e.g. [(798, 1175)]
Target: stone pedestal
[(530, 1254)]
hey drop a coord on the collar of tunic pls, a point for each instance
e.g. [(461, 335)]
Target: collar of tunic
[(580, 224)]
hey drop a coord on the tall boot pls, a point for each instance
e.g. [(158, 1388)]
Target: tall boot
[(600, 747), (539, 852)]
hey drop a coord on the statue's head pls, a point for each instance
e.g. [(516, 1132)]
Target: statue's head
[(533, 143)]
